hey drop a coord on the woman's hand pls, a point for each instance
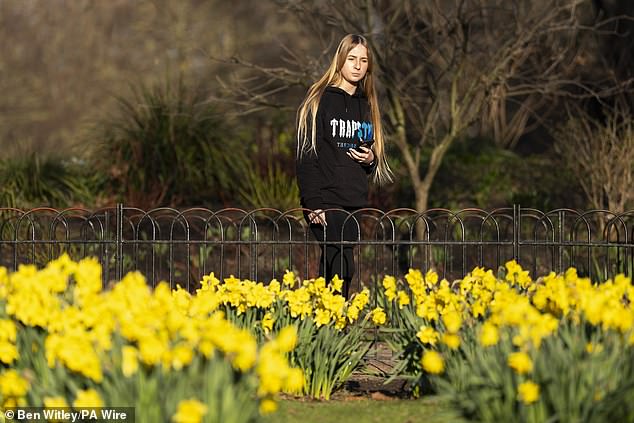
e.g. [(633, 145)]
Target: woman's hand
[(318, 217), (366, 157)]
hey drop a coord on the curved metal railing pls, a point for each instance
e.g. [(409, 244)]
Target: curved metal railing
[(180, 246)]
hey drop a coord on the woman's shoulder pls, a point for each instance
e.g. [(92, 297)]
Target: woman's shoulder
[(326, 99), (332, 92)]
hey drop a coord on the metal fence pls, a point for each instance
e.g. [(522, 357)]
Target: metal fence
[(180, 246)]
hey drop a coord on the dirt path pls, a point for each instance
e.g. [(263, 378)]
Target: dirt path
[(372, 379)]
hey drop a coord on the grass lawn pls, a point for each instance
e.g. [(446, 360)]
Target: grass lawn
[(364, 409)]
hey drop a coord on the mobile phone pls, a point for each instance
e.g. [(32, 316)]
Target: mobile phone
[(366, 144)]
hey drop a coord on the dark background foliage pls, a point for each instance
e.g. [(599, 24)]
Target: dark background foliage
[(192, 103)]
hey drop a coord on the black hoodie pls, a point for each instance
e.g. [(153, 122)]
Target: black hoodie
[(331, 177)]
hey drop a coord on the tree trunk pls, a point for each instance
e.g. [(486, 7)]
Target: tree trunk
[(421, 190)]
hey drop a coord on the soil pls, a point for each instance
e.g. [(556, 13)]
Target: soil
[(373, 379)]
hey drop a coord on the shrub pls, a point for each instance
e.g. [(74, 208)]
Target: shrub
[(35, 181), (168, 146)]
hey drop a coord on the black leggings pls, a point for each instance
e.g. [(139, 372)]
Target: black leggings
[(335, 262)]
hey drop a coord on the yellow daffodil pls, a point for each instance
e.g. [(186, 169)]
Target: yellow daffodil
[(451, 340), (8, 330), (88, 398), (432, 362), (322, 317), (287, 339), (403, 299), (431, 278), (452, 321), (8, 352), (288, 279), (427, 335), (12, 384), (593, 348), (267, 322), (129, 360), (336, 283), (182, 354), (528, 392), (378, 316), (268, 406), (520, 362), (515, 275), (189, 411), (55, 402), (489, 334)]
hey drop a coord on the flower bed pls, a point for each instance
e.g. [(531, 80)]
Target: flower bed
[(66, 342), (509, 348), (500, 347)]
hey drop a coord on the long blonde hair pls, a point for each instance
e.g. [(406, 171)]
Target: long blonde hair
[(308, 109)]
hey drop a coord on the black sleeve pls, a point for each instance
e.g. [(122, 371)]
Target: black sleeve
[(370, 167), (309, 177)]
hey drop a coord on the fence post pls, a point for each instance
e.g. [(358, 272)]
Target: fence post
[(516, 231), (119, 243), (105, 252), (560, 243)]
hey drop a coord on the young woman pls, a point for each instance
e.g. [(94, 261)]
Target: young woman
[(339, 114)]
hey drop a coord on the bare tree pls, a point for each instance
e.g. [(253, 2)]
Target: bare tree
[(452, 69), (600, 154), (615, 47)]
